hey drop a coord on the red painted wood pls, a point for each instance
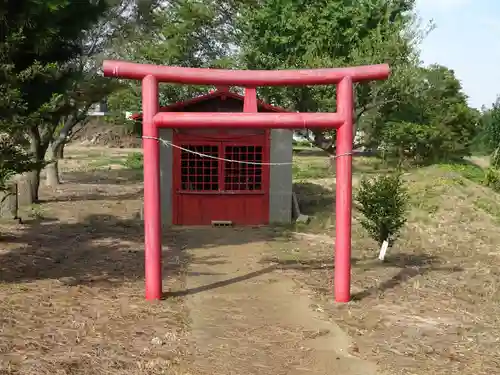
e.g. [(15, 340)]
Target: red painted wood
[(176, 107), (343, 200), (152, 227), (248, 120), (344, 77), (245, 78), (250, 101), (201, 207)]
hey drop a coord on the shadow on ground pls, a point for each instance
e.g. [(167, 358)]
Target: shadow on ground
[(104, 177), (309, 152), (101, 247), (314, 199), (95, 196), (107, 249), (112, 185), (409, 265)]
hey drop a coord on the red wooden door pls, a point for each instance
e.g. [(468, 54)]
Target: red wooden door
[(221, 179)]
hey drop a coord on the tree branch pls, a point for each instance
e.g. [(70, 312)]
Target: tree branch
[(71, 121)]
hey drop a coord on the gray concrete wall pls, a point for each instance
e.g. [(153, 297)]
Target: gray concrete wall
[(166, 166), (280, 186)]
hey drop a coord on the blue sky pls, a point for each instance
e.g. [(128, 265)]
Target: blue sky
[(467, 40)]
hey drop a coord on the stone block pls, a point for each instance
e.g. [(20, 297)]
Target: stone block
[(24, 195), (8, 202)]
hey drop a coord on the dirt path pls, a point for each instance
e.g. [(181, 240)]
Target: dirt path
[(248, 318)]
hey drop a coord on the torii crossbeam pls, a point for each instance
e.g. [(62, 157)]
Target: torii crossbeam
[(342, 120)]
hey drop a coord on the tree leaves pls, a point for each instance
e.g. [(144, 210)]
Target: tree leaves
[(39, 42), (330, 33), (186, 33), (383, 201), (437, 123)]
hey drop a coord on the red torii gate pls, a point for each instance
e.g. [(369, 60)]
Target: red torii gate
[(342, 120)]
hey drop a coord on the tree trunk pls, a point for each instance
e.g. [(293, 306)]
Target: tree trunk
[(52, 169), (34, 177), (60, 152), (38, 149)]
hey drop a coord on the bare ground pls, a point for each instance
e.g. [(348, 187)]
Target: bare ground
[(250, 317), (71, 291), (87, 329), (433, 306), (71, 286), (248, 301)]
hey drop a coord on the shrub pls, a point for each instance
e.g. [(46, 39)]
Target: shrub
[(383, 201), (495, 158), (492, 179)]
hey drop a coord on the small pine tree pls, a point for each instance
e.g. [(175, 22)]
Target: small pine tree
[(383, 201)]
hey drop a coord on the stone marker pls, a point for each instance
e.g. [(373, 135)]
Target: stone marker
[(24, 195), (8, 202)]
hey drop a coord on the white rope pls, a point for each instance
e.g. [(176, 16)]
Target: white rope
[(170, 144)]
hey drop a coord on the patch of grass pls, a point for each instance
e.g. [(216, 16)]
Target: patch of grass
[(489, 206), (469, 171), (371, 164), (311, 167), (492, 179), (36, 211), (428, 185), (134, 160), (103, 162), (311, 171), (304, 147), (425, 201)]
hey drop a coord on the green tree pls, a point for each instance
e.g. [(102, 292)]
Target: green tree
[(186, 33), (284, 34), (492, 124), (490, 130), (437, 123), (87, 87), (482, 143), (39, 40), (488, 141)]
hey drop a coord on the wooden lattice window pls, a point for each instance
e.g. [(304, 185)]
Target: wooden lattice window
[(199, 173), (240, 176)]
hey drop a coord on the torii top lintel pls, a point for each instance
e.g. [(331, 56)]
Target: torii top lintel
[(244, 78)]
